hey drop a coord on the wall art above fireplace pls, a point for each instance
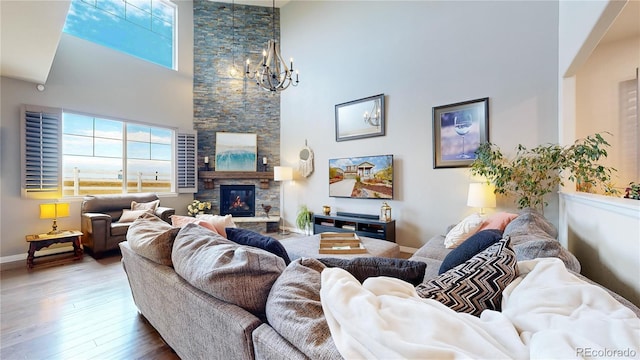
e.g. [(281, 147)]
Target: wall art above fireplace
[(236, 152)]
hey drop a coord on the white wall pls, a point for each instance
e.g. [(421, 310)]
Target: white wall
[(602, 231), (89, 78), (600, 108), (420, 55)]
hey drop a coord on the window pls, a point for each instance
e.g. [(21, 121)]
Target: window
[(142, 28), (71, 154), (108, 156)]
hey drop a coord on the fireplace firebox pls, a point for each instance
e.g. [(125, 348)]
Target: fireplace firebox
[(238, 200)]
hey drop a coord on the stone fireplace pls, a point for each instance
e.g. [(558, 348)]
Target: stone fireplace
[(238, 200)]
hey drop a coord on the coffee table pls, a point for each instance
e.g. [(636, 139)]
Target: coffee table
[(308, 246)]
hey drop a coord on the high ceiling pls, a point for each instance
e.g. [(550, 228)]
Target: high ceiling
[(30, 32), (29, 35)]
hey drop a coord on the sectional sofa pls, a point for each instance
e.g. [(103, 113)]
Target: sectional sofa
[(212, 298)]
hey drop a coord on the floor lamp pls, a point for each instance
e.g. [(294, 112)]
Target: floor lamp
[(282, 173)]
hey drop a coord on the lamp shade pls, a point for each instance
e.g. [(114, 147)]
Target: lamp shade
[(54, 210), (282, 173), (481, 195)]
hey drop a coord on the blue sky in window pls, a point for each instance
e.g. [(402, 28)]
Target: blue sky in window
[(142, 28), (95, 147)]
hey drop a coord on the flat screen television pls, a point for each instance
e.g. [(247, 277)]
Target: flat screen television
[(364, 177)]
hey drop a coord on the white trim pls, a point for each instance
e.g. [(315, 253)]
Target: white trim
[(621, 206), (20, 257)]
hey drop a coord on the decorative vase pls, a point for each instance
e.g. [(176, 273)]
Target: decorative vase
[(326, 209)]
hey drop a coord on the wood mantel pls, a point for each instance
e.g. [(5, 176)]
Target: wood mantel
[(209, 176)]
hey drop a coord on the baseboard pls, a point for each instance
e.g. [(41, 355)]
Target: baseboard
[(21, 257)]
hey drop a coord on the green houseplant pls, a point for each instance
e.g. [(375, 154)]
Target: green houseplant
[(304, 219), (534, 173)]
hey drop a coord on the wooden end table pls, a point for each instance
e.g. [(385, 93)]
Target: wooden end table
[(40, 241)]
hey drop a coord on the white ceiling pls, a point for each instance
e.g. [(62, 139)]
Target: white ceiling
[(29, 35), (30, 32)]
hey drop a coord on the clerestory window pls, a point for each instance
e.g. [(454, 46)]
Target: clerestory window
[(142, 28)]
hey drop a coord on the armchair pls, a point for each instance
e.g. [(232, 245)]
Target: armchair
[(101, 230)]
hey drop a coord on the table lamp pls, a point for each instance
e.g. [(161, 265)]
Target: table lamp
[(481, 195), (54, 211), (282, 173)]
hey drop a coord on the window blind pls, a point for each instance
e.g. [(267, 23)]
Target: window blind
[(41, 152), (187, 174)]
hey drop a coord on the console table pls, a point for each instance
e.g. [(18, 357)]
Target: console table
[(40, 241), (363, 226)]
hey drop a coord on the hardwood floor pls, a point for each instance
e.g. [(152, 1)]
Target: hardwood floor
[(65, 309)]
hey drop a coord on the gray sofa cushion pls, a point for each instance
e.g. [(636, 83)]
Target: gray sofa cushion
[(365, 267), (152, 238), (546, 247), (532, 223), (238, 274), (294, 310)]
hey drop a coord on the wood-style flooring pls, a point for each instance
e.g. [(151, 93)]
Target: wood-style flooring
[(66, 309)]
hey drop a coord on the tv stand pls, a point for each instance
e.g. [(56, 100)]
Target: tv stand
[(367, 226)]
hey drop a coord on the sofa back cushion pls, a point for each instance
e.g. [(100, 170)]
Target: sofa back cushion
[(112, 205), (151, 237), (294, 310), (238, 274), (529, 222)]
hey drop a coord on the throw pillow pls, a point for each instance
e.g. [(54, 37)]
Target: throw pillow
[(294, 310), (467, 227), (366, 267), (530, 222), (220, 222), (252, 238), (181, 220), (473, 245), (237, 274), (498, 221), (151, 237), (476, 284), (151, 205), (132, 215)]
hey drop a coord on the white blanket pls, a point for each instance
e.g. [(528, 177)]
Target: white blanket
[(546, 313)]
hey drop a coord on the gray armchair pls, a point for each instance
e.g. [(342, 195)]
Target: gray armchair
[(101, 231)]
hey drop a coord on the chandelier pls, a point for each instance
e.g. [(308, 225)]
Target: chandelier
[(272, 74)]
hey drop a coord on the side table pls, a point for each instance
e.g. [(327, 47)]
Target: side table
[(40, 241)]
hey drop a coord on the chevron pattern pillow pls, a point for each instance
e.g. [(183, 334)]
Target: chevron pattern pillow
[(476, 284)]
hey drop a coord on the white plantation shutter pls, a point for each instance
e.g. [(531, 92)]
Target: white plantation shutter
[(187, 171), (41, 152)]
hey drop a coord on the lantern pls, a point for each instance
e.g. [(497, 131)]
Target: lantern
[(385, 212)]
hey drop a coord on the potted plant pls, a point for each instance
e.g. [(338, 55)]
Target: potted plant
[(304, 219), (533, 173), (633, 191)]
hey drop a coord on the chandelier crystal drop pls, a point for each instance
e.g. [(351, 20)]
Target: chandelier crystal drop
[(273, 74)]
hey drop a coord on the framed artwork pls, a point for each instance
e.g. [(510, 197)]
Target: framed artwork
[(458, 131), (236, 152), (362, 177), (361, 118)]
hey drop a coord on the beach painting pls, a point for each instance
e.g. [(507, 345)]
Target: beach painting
[(236, 152)]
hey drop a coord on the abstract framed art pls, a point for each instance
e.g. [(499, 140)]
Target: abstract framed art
[(458, 131), (236, 152)]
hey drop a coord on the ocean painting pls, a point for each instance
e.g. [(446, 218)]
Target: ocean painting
[(236, 152)]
